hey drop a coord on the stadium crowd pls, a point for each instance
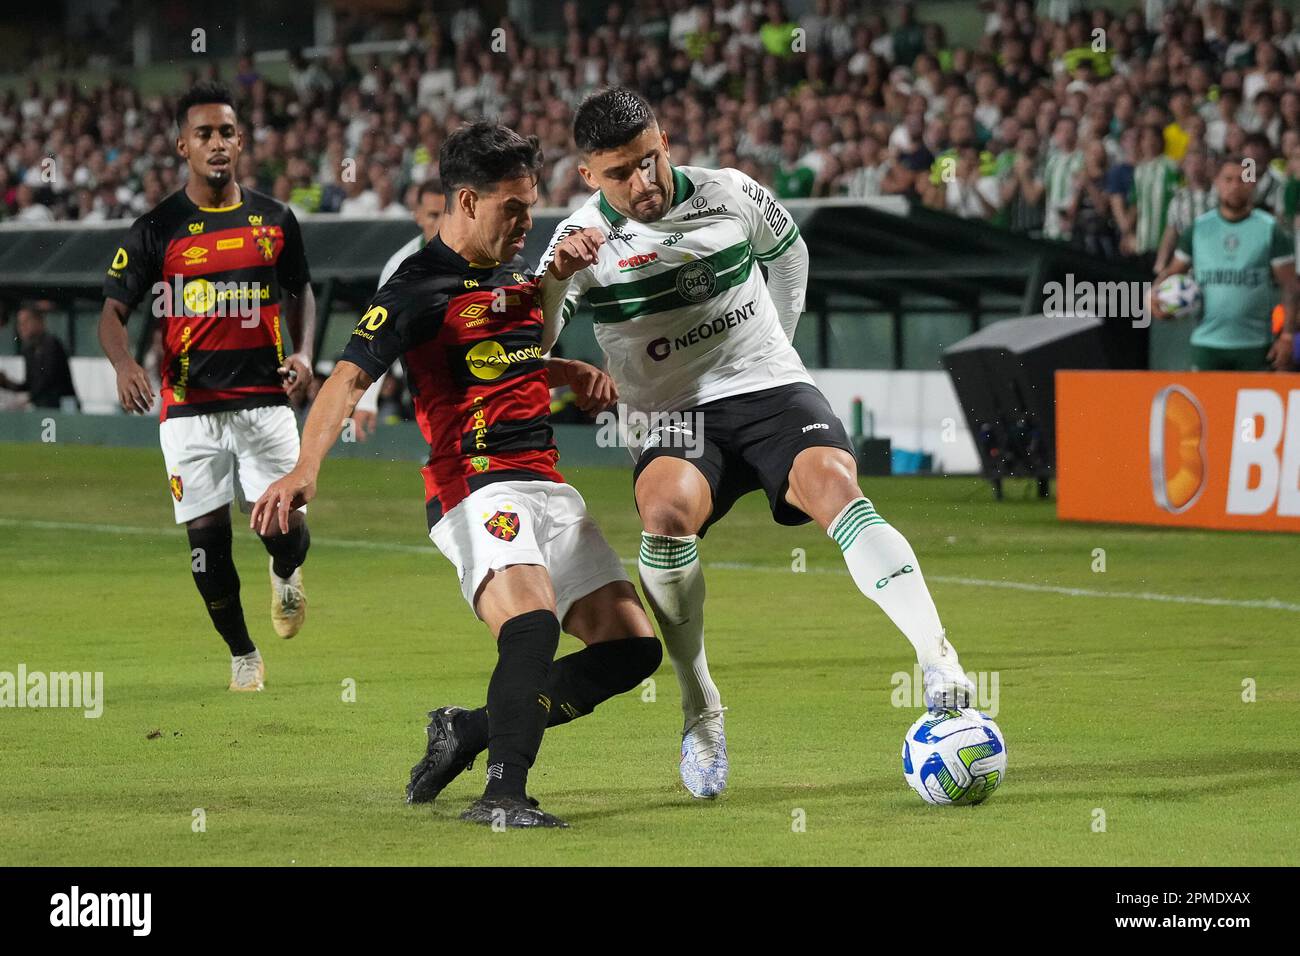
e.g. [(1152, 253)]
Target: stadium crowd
[(1091, 126)]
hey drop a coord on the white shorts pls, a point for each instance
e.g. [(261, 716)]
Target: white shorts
[(528, 522), (204, 452)]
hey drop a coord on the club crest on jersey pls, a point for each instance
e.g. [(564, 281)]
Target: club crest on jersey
[(503, 525), (480, 463), (696, 281), (177, 486)]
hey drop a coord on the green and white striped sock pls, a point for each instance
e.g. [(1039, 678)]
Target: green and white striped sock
[(885, 569), (673, 581)]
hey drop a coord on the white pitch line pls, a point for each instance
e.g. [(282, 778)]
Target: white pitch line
[(1267, 604)]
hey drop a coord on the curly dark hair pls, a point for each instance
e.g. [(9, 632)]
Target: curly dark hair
[(609, 118)]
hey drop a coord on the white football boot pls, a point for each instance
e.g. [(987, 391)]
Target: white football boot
[(247, 673), (946, 685), (288, 602), (704, 755)]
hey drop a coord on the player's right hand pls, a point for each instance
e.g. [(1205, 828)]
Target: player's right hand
[(289, 493), (134, 391), (575, 252)]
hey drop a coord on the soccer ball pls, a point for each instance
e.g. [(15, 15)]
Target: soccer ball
[(1178, 296), (954, 756)]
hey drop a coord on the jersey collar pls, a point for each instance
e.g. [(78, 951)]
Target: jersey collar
[(683, 189)]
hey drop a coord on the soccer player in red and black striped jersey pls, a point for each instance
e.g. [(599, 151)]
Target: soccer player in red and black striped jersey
[(224, 272), (465, 316)]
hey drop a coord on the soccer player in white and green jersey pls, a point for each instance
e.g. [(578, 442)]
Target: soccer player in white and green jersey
[(692, 330), (1239, 256)]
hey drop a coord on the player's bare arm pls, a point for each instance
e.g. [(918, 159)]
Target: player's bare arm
[(335, 401), (300, 316), (595, 390), (134, 391)]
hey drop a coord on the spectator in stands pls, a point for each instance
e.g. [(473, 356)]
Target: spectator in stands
[(1064, 160), (791, 179), (28, 209), (1090, 215), (968, 192), (1155, 177), (1194, 197), (47, 376)]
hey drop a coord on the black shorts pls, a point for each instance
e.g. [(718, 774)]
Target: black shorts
[(750, 442)]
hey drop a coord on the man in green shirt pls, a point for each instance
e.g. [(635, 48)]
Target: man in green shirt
[(791, 180), (1239, 256)]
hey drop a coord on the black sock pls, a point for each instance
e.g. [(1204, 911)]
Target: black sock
[(213, 565), (516, 702), (288, 551), (578, 682)]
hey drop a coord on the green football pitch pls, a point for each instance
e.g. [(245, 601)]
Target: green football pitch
[(1149, 709)]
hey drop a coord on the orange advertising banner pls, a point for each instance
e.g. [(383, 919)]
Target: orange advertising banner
[(1193, 449)]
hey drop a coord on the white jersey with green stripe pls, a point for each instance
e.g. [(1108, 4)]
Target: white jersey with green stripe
[(681, 307)]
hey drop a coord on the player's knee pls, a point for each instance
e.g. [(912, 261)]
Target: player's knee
[(824, 470), (667, 518)]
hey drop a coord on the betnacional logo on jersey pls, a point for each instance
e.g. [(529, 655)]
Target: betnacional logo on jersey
[(696, 281), (503, 525), (177, 486), (488, 360)]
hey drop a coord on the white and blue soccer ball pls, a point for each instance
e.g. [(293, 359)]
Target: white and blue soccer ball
[(1178, 296), (954, 756)]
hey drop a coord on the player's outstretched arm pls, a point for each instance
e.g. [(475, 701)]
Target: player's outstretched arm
[(134, 391), (333, 404)]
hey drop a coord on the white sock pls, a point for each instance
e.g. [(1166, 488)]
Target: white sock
[(885, 569), (673, 581)]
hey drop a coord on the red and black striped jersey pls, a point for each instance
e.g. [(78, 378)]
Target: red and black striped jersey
[(214, 278), (471, 340)]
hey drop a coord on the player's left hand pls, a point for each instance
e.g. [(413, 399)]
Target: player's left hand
[(1279, 356), (593, 389), (576, 252), (288, 494), (295, 375)]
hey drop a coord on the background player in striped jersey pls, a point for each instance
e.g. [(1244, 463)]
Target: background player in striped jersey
[(690, 326), (463, 313), (216, 260)]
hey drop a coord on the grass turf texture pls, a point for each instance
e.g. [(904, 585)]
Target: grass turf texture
[(1131, 706)]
